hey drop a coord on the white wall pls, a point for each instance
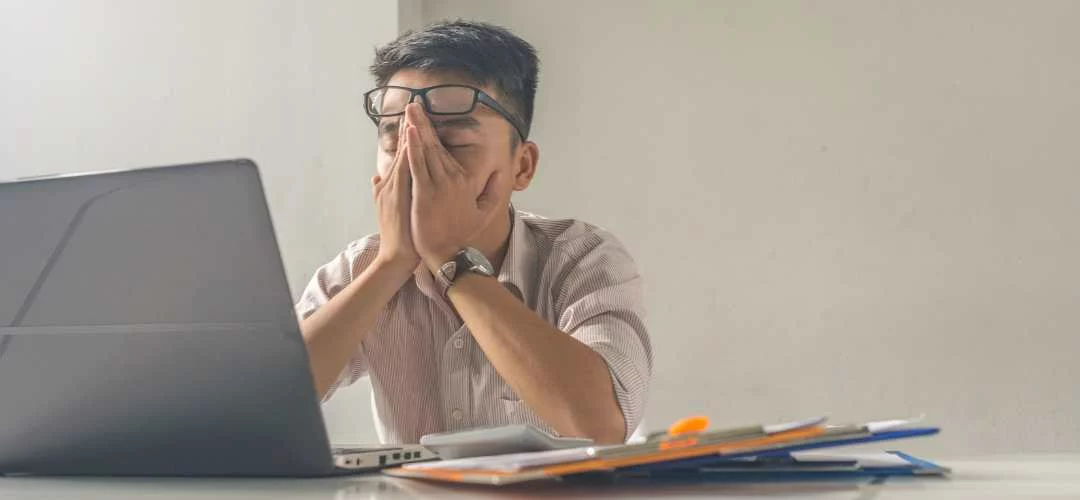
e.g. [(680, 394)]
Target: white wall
[(90, 85), (859, 208)]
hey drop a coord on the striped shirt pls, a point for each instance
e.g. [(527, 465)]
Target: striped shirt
[(427, 372)]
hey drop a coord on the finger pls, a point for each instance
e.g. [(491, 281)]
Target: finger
[(402, 157), (434, 152), (399, 154), (417, 161), (399, 157), (422, 150), (423, 124), (391, 172), (401, 134), (451, 164), (487, 198), (488, 205), (401, 168)]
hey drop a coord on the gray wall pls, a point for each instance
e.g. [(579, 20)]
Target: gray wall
[(91, 85), (864, 209)]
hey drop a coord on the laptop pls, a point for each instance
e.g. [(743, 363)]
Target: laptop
[(146, 328)]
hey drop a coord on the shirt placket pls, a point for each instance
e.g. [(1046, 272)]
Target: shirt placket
[(457, 407)]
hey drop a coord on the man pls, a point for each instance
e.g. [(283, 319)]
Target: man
[(463, 311)]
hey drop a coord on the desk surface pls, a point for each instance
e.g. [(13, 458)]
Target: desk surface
[(996, 477)]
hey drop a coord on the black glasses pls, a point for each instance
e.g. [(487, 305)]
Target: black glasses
[(390, 100)]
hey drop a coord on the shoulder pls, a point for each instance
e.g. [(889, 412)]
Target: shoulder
[(580, 260), (349, 262), (363, 247), (571, 239), (361, 253), (333, 276)]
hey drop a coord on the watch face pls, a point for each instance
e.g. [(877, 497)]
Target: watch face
[(479, 262)]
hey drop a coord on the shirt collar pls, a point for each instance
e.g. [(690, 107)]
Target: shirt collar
[(519, 266)]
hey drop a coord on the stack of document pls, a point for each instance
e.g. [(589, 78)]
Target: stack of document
[(763, 451)]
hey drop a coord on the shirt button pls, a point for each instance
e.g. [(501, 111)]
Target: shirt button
[(456, 414), (459, 343)]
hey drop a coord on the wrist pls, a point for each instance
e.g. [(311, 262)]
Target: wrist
[(435, 260), (464, 281), (398, 268)]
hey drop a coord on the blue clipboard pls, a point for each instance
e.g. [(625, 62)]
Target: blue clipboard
[(742, 471), (697, 462)]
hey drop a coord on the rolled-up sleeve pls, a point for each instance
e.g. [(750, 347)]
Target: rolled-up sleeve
[(328, 281), (600, 303)]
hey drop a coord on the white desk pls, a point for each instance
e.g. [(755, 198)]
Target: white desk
[(998, 477)]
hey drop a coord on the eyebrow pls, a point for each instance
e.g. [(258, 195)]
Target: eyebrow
[(457, 122), (467, 122)]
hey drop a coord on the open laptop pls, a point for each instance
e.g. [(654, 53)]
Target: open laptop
[(146, 328)]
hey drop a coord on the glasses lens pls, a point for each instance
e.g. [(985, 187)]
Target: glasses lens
[(388, 101), (451, 100)]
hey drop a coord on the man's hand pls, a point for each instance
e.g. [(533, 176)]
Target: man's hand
[(393, 199), (334, 332), (450, 204)]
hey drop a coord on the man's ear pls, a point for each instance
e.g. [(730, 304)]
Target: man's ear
[(525, 167)]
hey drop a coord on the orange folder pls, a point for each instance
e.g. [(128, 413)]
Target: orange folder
[(672, 449)]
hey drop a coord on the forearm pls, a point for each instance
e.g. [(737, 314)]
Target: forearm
[(334, 332), (564, 381)]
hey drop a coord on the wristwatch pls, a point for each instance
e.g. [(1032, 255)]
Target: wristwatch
[(468, 260)]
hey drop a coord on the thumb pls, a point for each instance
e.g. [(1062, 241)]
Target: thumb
[(487, 199)]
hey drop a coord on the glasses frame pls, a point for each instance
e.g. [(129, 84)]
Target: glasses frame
[(479, 96)]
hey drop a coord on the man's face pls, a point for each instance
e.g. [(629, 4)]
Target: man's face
[(480, 141)]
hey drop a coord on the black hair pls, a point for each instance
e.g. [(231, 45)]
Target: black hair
[(489, 54)]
